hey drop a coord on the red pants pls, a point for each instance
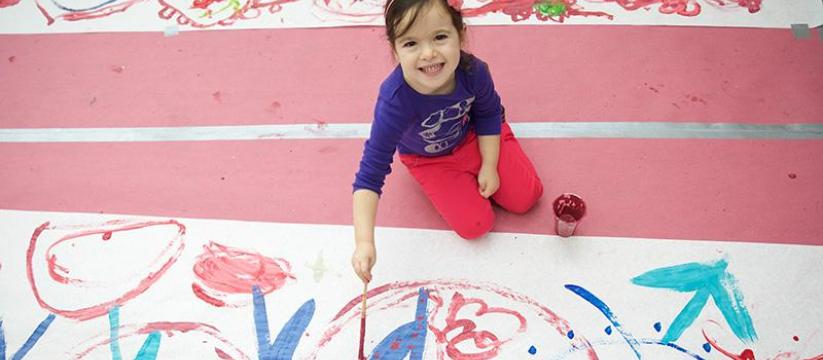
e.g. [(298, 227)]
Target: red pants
[(450, 182)]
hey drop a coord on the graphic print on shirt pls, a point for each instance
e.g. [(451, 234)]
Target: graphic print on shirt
[(443, 127)]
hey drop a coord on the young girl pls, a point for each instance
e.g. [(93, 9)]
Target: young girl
[(440, 111)]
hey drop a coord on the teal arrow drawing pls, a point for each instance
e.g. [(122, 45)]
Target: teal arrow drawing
[(704, 280)]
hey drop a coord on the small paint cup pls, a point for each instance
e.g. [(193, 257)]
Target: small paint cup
[(569, 209)]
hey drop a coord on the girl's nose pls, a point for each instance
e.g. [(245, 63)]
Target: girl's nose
[(428, 52)]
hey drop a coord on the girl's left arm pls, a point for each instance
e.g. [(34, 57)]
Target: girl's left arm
[(488, 180)]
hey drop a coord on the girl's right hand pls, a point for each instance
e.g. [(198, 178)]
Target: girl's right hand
[(363, 260)]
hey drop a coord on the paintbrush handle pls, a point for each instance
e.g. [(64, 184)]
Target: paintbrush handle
[(361, 353), (363, 306)]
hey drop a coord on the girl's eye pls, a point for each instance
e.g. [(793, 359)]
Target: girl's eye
[(441, 37), (409, 44)]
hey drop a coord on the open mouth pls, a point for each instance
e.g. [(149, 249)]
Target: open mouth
[(432, 69)]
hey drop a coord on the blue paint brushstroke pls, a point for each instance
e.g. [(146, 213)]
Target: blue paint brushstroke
[(150, 347), (408, 339), (642, 343), (90, 8), (705, 280), (289, 337), (2, 342), (608, 330), (532, 350), (600, 305), (114, 333), (286, 342), (676, 347), (36, 335), (657, 326)]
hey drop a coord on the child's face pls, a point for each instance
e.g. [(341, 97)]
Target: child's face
[(429, 51)]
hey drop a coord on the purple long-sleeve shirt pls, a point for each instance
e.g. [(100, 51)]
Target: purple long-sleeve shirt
[(427, 125)]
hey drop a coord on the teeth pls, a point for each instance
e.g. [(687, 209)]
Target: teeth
[(432, 68)]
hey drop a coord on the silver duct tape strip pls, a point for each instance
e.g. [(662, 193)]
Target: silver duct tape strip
[(533, 130), (667, 130), (800, 31), (198, 133)]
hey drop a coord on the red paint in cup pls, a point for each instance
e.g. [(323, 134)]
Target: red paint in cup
[(569, 209)]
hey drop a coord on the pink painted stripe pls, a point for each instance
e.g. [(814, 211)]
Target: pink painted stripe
[(738, 190), (545, 73)]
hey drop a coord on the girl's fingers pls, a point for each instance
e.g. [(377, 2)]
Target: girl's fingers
[(367, 271), (362, 269), (357, 269)]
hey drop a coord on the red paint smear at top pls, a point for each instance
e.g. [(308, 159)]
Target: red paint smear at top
[(230, 270), (523, 9)]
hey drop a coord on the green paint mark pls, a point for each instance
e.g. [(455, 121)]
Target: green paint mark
[(550, 8)]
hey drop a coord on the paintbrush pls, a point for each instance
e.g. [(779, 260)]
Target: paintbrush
[(361, 355)]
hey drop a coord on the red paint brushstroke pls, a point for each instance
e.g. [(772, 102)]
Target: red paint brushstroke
[(202, 4), (60, 274), (752, 6), (687, 8), (8, 3), (105, 11), (208, 13), (680, 7), (49, 18), (747, 354), (520, 10), (207, 334), (221, 271), (385, 297), (361, 355), (482, 339), (222, 354), (203, 295)]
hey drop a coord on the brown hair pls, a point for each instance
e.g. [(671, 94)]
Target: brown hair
[(395, 12)]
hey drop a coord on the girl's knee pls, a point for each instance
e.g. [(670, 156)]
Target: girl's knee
[(471, 229), (528, 200)]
